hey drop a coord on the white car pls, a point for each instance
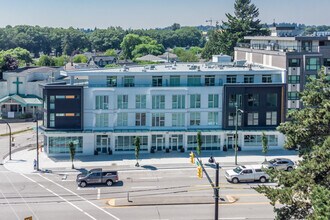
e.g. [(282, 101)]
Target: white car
[(247, 173)]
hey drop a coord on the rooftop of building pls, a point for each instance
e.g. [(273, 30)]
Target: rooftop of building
[(32, 69)]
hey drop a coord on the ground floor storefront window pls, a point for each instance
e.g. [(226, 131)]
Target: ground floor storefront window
[(255, 140), (126, 143), (209, 142), (60, 145)]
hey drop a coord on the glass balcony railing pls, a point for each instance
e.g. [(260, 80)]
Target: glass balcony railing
[(276, 47)]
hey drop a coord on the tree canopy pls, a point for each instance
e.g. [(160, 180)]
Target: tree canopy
[(304, 192)]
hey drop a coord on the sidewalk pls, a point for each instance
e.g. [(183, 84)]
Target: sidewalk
[(22, 161)]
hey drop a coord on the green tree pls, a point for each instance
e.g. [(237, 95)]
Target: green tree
[(137, 144), (264, 141), (61, 61), (129, 43), (199, 143), (110, 52), (72, 149), (80, 58), (304, 192), (45, 60)]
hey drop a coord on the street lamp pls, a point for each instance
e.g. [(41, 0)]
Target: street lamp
[(216, 188), (236, 136), (37, 130), (9, 138)]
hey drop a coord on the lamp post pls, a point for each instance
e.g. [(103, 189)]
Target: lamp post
[(9, 138), (216, 188), (236, 135), (37, 130)]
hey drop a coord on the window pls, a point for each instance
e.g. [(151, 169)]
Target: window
[(294, 62), (128, 81), (210, 142), (194, 80), (266, 78), (209, 80), (174, 80), (326, 61), (247, 171), (101, 102), (293, 79), (271, 100), (231, 79), (157, 81), (178, 101), (235, 99), (140, 101), (253, 100), (178, 119), (122, 119), (158, 102), (255, 140), (140, 119), (195, 101), (51, 120), (253, 118), (126, 143), (213, 101), (212, 118), (158, 120), (293, 96), (248, 79), (60, 144), (111, 81), (101, 120), (51, 102), (271, 118), (195, 118), (312, 63), (232, 119), (122, 101)]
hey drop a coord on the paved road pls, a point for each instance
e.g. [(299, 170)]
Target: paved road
[(50, 196)]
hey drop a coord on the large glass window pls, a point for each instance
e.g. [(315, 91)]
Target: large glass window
[(101, 102), (210, 142), (312, 63), (248, 79), (272, 100), (232, 119), (293, 79), (253, 100), (253, 118), (140, 119), (195, 118), (140, 101), (255, 140), (294, 62), (178, 119), (51, 120), (231, 79), (209, 80), (235, 99), (194, 80), (271, 118), (157, 81), (326, 61), (51, 102), (212, 118), (129, 81), (60, 145), (126, 143), (111, 81), (266, 78), (158, 102), (178, 101), (195, 101), (293, 96), (122, 119), (158, 119), (174, 80), (122, 101), (213, 101), (102, 120)]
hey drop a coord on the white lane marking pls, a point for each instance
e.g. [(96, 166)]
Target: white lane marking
[(11, 183), (144, 187), (108, 213), (150, 178), (98, 193), (10, 206), (80, 188), (59, 197)]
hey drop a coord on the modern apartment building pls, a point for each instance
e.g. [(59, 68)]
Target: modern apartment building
[(301, 56), (166, 105)]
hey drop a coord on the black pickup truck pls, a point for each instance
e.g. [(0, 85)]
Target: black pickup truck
[(97, 176)]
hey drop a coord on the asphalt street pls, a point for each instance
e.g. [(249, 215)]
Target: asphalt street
[(57, 196)]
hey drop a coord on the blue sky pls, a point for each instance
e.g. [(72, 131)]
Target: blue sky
[(152, 13)]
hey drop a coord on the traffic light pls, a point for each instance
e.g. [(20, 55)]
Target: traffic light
[(192, 157), (200, 172)]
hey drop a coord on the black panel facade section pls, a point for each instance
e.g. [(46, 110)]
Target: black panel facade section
[(64, 107), (262, 92)]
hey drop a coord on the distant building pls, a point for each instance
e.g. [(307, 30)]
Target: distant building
[(151, 58), (169, 57), (101, 60), (300, 56)]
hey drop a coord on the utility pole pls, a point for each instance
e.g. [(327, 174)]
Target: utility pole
[(216, 192), (37, 130), (236, 135)]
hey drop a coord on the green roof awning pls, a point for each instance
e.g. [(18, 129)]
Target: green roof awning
[(28, 101)]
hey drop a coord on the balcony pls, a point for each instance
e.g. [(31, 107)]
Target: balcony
[(286, 49), (220, 83)]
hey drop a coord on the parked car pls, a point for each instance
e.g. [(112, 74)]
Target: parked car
[(280, 164), (247, 173), (97, 176)]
